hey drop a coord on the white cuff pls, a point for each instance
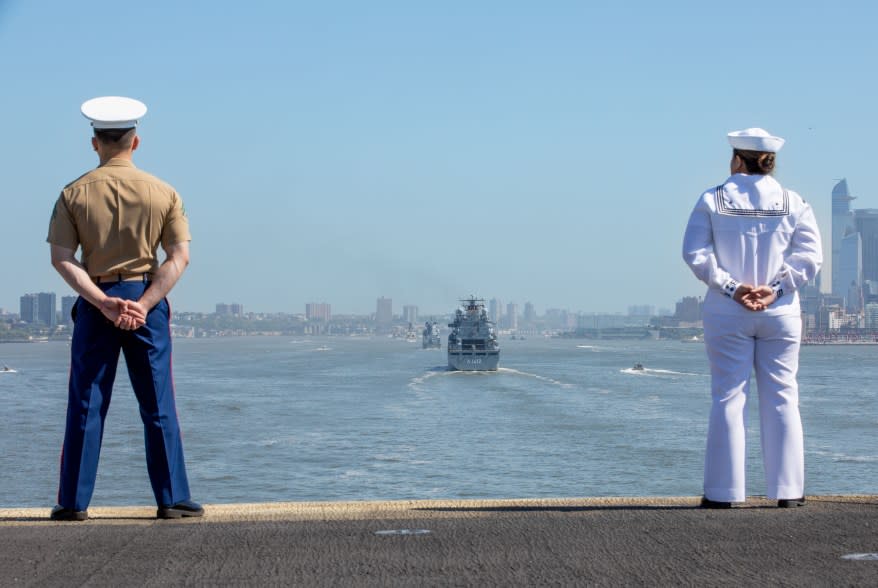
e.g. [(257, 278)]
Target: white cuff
[(777, 287), (730, 287)]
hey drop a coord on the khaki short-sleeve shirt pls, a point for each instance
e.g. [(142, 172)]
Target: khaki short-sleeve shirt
[(119, 215)]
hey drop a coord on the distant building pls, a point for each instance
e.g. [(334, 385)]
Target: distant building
[(67, 303), (866, 223), (410, 313), (854, 249), (233, 309), (48, 309), (556, 318), (384, 311), (318, 311), (495, 311), (29, 306), (850, 267), (834, 319), (641, 310), (870, 291), (854, 300), (530, 313), (569, 320), (39, 308), (596, 321), (48, 313), (512, 316), (810, 299), (832, 301), (689, 309), (842, 225)]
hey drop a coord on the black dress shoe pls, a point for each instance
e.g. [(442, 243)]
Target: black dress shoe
[(707, 503), (59, 513), (186, 508), (791, 502)]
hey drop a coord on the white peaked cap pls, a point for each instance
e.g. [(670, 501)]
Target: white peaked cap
[(755, 139), (113, 112)]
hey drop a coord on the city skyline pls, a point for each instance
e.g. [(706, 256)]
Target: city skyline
[(854, 274), (825, 318), (386, 310), (426, 152)]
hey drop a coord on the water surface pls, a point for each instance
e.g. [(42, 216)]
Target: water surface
[(290, 419)]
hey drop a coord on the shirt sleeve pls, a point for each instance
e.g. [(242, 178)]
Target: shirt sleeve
[(62, 228), (699, 254), (176, 227), (804, 256)]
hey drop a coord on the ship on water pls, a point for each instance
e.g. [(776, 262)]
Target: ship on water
[(472, 343), (431, 337)]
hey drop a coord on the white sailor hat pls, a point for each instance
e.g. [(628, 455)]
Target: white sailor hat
[(113, 112), (755, 139)]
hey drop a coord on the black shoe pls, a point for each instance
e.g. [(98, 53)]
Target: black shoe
[(59, 513), (707, 503), (791, 502), (186, 508)]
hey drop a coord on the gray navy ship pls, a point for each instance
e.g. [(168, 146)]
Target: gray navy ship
[(472, 343), (431, 337)]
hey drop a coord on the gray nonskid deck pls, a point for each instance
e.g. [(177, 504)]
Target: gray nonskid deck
[(601, 542)]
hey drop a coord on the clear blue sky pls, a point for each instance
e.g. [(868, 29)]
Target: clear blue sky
[(423, 151)]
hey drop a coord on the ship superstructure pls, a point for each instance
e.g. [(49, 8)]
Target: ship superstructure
[(472, 343)]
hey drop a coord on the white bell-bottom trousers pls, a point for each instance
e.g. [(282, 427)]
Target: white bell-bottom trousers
[(736, 345)]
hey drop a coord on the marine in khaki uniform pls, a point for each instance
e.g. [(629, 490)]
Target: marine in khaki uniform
[(119, 216)]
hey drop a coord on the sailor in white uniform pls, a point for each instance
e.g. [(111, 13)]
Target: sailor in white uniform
[(754, 243)]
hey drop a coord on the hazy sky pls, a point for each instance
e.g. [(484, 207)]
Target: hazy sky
[(423, 151)]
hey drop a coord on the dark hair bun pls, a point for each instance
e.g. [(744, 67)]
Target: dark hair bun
[(766, 163)]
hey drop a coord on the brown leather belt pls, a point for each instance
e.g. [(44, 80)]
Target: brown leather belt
[(142, 277)]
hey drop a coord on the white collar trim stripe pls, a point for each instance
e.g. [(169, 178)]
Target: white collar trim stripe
[(722, 208)]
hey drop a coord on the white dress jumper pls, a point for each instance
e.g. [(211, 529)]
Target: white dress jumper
[(751, 230)]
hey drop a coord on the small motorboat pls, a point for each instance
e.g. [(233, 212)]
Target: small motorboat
[(638, 367)]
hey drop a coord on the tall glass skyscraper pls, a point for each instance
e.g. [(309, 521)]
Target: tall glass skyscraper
[(842, 226), (866, 224), (849, 274), (854, 248)]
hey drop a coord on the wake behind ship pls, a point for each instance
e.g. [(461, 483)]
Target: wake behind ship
[(472, 343)]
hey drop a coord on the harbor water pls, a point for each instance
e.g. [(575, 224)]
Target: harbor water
[(328, 419)]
